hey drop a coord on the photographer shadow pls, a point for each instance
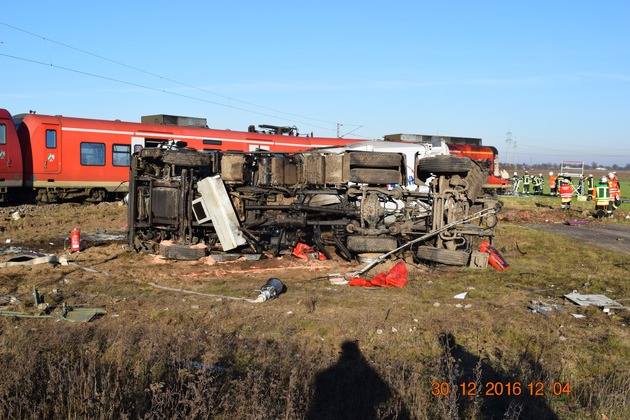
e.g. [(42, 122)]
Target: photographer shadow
[(350, 389)]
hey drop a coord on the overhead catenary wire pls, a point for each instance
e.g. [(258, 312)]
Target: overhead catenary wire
[(143, 86)]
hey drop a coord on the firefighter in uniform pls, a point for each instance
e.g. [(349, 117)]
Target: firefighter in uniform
[(527, 180), (615, 192), (566, 194), (559, 179), (538, 181), (590, 187), (601, 196), (552, 184)]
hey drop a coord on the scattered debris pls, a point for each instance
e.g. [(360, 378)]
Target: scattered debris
[(270, 290), (305, 252), (544, 308), (478, 259), (460, 295), (67, 312), (601, 301), (64, 261), (519, 249), (30, 258), (578, 316)]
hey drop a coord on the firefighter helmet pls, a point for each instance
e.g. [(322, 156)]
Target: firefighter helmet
[(611, 175), (604, 179), (550, 173)]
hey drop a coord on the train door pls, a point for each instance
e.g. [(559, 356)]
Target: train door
[(10, 153), (137, 144), (50, 160)]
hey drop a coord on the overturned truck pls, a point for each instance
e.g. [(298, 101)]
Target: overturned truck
[(366, 197)]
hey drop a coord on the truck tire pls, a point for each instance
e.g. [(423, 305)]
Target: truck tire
[(443, 256), (361, 244), (375, 176), (182, 252), (375, 160), (444, 164)]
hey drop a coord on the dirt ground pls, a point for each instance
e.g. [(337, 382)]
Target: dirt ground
[(46, 230)]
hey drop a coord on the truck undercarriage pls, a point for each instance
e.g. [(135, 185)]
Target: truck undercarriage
[(348, 200)]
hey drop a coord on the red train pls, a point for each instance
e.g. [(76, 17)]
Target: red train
[(465, 147), (52, 158), (61, 158)]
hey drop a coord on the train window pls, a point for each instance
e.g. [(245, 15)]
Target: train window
[(3, 134), (51, 139), (121, 154), (93, 154), (213, 142)]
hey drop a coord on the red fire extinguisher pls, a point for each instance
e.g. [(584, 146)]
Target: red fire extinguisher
[(75, 239)]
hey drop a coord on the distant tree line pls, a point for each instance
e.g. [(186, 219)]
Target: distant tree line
[(547, 166)]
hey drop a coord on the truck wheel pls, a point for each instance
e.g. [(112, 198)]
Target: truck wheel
[(182, 252), (444, 164), (443, 256), (361, 244), (375, 176), (375, 160)]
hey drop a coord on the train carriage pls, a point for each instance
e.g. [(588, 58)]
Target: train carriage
[(71, 158), (54, 158)]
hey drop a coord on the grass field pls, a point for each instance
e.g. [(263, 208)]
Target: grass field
[(327, 351)]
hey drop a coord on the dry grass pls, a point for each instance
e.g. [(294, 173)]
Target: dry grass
[(161, 354)]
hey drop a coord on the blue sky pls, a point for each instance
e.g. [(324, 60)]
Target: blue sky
[(554, 74)]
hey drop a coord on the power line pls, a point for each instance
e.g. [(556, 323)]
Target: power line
[(162, 78)]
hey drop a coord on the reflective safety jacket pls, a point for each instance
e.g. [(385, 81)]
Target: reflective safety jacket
[(601, 194), (613, 187), (527, 179), (566, 192), (552, 181)]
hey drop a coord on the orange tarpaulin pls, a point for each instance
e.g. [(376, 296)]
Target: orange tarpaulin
[(396, 277), (303, 251)]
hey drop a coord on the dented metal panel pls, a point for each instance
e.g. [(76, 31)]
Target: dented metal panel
[(220, 209)]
